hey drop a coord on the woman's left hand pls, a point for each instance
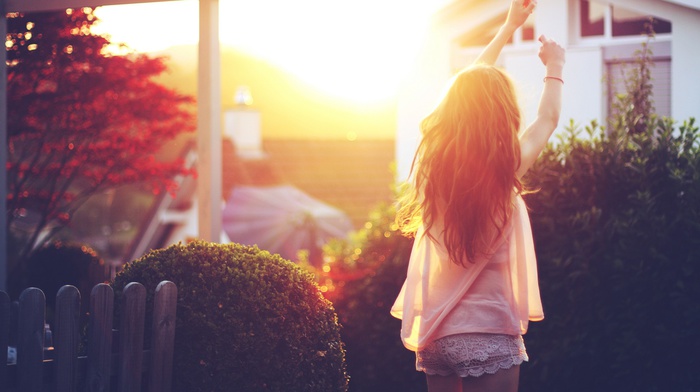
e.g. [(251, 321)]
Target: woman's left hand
[(519, 11)]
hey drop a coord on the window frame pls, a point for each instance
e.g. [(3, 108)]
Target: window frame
[(607, 37)]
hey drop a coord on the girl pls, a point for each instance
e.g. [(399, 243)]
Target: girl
[(471, 286)]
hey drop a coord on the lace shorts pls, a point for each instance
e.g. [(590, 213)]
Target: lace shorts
[(471, 354)]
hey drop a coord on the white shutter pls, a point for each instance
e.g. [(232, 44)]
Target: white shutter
[(660, 80)]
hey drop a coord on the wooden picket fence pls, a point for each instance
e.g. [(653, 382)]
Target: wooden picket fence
[(126, 368)]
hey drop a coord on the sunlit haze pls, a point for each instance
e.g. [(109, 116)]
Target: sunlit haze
[(354, 50)]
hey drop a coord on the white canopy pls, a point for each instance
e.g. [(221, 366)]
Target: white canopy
[(282, 219)]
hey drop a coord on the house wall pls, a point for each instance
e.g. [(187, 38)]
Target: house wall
[(584, 96), (685, 67)]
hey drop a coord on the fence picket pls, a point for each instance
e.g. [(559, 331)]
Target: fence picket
[(4, 337), (64, 370), (131, 337), (162, 343), (100, 339), (66, 337), (30, 340)]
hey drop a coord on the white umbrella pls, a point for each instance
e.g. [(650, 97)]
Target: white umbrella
[(282, 219)]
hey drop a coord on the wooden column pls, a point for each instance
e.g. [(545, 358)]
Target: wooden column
[(209, 123)]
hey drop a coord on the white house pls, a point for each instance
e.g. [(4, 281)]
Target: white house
[(600, 36)]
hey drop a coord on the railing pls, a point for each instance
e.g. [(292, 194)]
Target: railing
[(115, 360)]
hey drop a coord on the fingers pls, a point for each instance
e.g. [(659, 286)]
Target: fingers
[(519, 11), (550, 51), (530, 5), (547, 41)]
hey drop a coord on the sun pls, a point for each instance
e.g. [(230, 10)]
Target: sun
[(358, 51)]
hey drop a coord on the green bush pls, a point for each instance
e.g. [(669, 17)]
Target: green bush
[(57, 264), (246, 320), (617, 233)]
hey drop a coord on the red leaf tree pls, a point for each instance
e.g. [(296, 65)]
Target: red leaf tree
[(80, 120)]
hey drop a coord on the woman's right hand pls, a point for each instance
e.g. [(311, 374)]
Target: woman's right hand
[(534, 138), (551, 53)]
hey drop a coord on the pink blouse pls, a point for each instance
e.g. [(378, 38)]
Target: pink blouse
[(496, 294)]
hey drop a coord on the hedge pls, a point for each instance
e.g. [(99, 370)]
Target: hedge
[(617, 232)]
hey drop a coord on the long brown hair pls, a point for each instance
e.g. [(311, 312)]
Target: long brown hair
[(464, 171)]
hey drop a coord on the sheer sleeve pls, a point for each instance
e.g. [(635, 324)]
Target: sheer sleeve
[(523, 268)]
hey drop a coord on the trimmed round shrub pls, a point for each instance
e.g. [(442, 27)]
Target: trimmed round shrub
[(247, 320)]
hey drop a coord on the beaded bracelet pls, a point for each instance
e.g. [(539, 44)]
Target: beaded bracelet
[(553, 77)]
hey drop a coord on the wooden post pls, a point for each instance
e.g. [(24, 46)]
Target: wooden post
[(209, 123), (66, 337), (100, 339), (133, 314), (162, 342), (30, 340), (4, 337)]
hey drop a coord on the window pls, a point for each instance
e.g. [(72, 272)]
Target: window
[(627, 22), (598, 19), (528, 30), (592, 19)]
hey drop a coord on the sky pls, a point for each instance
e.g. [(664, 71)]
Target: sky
[(355, 50)]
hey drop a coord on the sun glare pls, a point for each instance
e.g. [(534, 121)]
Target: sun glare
[(357, 51)]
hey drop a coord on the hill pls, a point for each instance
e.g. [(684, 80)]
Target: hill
[(290, 109)]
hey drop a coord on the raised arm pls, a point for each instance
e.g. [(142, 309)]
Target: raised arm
[(535, 137), (517, 14)]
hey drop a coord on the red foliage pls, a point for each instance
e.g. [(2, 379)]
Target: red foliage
[(80, 119)]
